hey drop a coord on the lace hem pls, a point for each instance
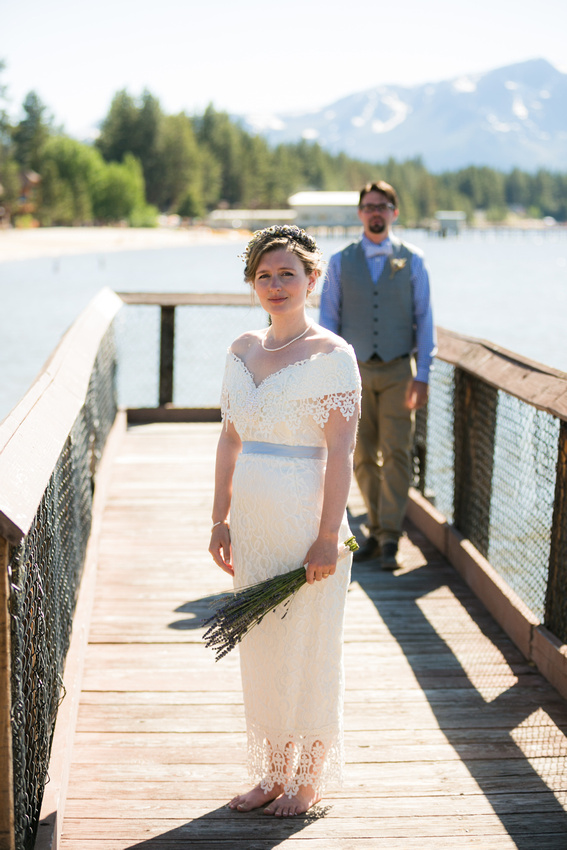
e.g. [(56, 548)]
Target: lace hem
[(294, 760)]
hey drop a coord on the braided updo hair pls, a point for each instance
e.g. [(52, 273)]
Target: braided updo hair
[(288, 237)]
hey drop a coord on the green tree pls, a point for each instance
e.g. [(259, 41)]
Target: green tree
[(210, 179), (132, 127), (180, 165), (517, 188), (31, 134), (57, 204), (71, 172), (544, 192), (224, 140), (120, 193), (118, 130), (9, 170)]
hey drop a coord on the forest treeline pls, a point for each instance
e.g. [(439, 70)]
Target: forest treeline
[(145, 161)]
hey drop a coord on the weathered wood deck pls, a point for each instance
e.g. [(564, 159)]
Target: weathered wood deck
[(452, 739)]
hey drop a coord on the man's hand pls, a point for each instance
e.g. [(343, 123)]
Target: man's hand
[(416, 395)]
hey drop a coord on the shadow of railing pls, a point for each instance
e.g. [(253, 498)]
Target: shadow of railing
[(511, 737)]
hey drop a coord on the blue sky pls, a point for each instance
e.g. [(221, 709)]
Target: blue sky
[(257, 56)]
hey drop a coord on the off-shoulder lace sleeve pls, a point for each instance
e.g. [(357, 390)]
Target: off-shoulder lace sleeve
[(333, 384)]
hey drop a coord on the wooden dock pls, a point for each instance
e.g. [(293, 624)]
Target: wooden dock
[(452, 739)]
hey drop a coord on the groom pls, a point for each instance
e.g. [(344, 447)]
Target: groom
[(376, 295)]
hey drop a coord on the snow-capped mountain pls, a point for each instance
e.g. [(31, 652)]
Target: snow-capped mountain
[(513, 116)]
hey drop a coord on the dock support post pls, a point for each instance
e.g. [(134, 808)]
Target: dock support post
[(167, 342), (474, 431), (555, 608)]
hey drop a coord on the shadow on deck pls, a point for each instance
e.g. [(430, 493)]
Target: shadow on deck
[(452, 739)]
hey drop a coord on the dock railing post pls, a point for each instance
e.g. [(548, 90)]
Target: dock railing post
[(167, 343), (555, 618), (474, 431), (7, 839)]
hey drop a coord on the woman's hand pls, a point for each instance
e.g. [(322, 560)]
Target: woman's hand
[(321, 560), (220, 547)]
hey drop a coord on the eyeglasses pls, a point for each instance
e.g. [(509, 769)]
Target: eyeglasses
[(379, 208)]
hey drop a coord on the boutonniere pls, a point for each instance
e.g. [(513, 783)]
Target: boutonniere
[(396, 264)]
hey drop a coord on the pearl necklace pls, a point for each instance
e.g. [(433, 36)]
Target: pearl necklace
[(262, 341)]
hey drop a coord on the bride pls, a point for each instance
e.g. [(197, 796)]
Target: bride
[(290, 403)]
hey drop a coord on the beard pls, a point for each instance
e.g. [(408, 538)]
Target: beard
[(377, 227)]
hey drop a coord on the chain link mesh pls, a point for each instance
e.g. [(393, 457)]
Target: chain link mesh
[(490, 468), (44, 574), (523, 488), (438, 484), (202, 337)]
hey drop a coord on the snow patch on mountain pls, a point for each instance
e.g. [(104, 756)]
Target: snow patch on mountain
[(508, 117)]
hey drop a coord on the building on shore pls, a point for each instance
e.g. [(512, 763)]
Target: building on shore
[(320, 211), (450, 221), (325, 209), (249, 219)]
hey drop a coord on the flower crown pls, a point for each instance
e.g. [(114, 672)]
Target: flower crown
[(285, 231)]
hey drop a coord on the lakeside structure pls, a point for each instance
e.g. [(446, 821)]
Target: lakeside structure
[(309, 210), (325, 209), (450, 221), (105, 580)]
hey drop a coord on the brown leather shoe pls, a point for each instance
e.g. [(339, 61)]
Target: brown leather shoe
[(368, 551)]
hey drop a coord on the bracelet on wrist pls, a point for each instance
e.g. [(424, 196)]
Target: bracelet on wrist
[(220, 522)]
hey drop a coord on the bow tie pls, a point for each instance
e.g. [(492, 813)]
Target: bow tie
[(379, 250)]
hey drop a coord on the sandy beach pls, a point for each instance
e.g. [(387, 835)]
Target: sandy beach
[(60, 241)]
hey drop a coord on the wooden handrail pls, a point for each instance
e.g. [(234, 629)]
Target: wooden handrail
[(33, 435), (184, 299), (198, 299), (531, 382)]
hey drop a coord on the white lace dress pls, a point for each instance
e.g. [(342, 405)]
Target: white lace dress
[(292, 669)]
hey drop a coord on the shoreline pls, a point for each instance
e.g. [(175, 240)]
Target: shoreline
[(60, 241), (53, 242)]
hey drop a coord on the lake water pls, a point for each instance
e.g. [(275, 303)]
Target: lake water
[(508, 287)]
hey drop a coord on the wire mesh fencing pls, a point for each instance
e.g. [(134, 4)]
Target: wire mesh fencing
[(203, 334), (490, 467), (44, 576)]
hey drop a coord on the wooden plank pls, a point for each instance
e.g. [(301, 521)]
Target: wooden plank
[(492, 723), (260, 827), (449, 805), (236, 842)]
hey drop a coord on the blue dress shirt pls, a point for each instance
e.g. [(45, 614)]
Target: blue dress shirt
[(376, 256)]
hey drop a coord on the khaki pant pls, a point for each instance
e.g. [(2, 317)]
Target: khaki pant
[(383, 454)]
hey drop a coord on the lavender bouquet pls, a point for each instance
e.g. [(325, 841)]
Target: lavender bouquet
[(240, 611)]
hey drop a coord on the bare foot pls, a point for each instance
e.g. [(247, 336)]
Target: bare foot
[(255, 798), (284, 806)]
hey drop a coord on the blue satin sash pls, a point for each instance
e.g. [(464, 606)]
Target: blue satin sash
[(281, 450)]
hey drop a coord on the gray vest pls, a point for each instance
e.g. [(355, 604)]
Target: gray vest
[(377, 318)]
